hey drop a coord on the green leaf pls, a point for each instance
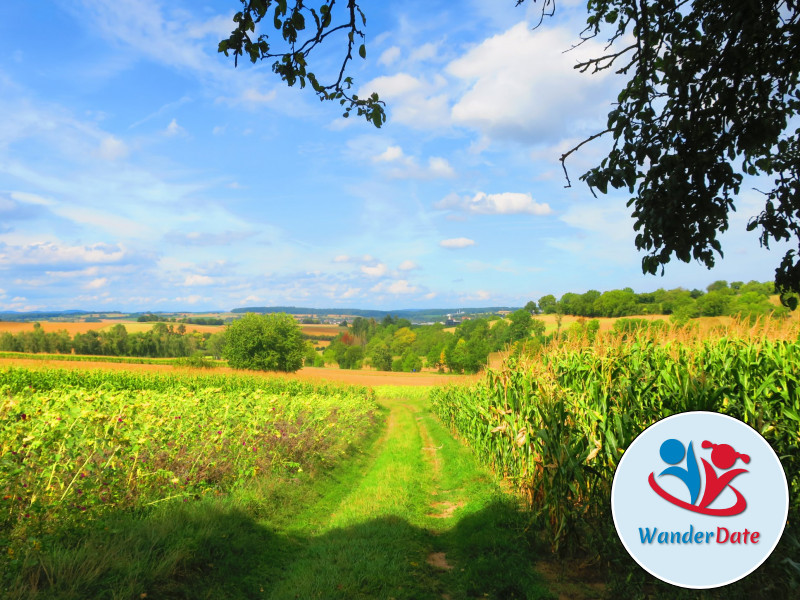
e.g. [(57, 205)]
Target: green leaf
[(362, 51)]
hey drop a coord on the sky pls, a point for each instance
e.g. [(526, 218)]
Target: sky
[(139, 170)]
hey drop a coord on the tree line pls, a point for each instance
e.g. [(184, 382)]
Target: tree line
[(151, 318), (161, 341), (394, 344), (750, 299)]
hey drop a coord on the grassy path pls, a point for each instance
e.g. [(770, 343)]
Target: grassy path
[(419, 519)]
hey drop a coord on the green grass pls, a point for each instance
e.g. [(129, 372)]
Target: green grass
[(374, 540)]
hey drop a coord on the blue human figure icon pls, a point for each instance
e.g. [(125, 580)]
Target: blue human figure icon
[(672, 452)]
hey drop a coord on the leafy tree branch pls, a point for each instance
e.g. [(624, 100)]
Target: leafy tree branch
[(302, 29)]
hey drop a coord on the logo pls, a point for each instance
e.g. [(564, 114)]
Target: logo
[(699, 500), (723, 456)]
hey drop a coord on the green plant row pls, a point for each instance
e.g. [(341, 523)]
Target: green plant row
[(137, 360), (558, 425), (76, 446)]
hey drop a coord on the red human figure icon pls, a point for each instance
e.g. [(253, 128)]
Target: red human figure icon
[(724, 457)]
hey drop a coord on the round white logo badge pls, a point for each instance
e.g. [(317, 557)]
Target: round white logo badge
[(699, 500)]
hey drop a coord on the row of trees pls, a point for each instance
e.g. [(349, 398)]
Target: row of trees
[(151, 318), (720, 298), (162, 341), (395, 345)]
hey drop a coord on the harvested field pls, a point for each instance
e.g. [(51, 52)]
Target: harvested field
[(317, 330), (81, 327), (136, 327), (368, 378), (70, 327)]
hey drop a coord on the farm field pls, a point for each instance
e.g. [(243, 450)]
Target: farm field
[(399, 508), (82, 327), (364, 377), (148, 478), (321, 330), (556, 424)]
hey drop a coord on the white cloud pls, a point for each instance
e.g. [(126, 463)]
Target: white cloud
[(51, 253), (31, 199), (170, 37), (389, 55), (415, 102), (391, 154), (408, 265), (408, 167), (114, 224), (341, 258), (395, 86), (193, 280), (506, 203), (173, 129), (87, 272), (425, 52), (401, 286), (460, 242), (430, 296), (524, 86), (350, 293), (218, 130), (439, 167), (378, 270), (204, 238), (112, 148), (253, 96), (96, 284)]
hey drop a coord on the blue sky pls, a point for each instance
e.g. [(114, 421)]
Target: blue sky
[(140, 171)]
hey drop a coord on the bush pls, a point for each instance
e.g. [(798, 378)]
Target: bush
[(197, 360), (265, 343)]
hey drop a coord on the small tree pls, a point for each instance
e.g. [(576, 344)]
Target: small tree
[(520, 325), (548, 304), (264, 343), (381, 357), (216, 344)]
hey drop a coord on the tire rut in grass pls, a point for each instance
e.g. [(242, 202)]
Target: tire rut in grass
[(421, 521), (437, 509)]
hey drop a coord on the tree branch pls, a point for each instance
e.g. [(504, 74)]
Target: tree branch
[(575, 149)]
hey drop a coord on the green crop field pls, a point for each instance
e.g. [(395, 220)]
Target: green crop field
[(557, 424), (79, 448)]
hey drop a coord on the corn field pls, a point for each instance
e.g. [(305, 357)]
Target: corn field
[(76, 445), (556, 424)]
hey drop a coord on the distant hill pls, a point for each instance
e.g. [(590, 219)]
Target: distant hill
[(416, 314), (13, 315)]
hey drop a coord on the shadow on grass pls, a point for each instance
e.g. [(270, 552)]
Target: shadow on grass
[(208, 550)]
